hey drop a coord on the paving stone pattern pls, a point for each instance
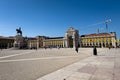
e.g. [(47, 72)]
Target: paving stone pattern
[(104, 66)]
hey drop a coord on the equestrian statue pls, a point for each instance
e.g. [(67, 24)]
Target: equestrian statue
[(19, 31)]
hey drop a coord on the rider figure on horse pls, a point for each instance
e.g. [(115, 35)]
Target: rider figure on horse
[(19, 31)]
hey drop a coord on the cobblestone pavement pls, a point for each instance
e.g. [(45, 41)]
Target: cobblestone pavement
[(104, 66)]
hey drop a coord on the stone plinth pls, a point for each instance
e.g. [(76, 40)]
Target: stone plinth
[(18, 41)]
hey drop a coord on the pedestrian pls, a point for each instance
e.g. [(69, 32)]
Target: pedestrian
[(94, 51), (109, 47), (76, 49)]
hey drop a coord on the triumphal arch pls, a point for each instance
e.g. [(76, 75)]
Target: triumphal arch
[(72, 38)]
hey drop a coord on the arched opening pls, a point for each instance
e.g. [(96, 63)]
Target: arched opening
[(107, 45), (110, 44), (103, 44), (100, 45), (70, 40)]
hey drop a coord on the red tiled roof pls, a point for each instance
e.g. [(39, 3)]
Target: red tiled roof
[(100, 34)]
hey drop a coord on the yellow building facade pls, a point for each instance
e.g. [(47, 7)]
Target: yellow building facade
[(118, 43), (71, 39), (54, 42), (99, 40), (6, 42)]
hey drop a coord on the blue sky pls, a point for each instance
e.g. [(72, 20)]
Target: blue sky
[(53, 17)]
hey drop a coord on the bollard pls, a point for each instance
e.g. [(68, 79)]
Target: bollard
[(94, 51)]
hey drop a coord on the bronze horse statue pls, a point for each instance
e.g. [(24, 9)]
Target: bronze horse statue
[(19, 31)]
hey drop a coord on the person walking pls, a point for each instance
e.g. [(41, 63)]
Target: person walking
[(94, 51), (76, 49)]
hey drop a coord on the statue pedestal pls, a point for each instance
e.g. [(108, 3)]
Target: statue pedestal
[(18, 41)]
